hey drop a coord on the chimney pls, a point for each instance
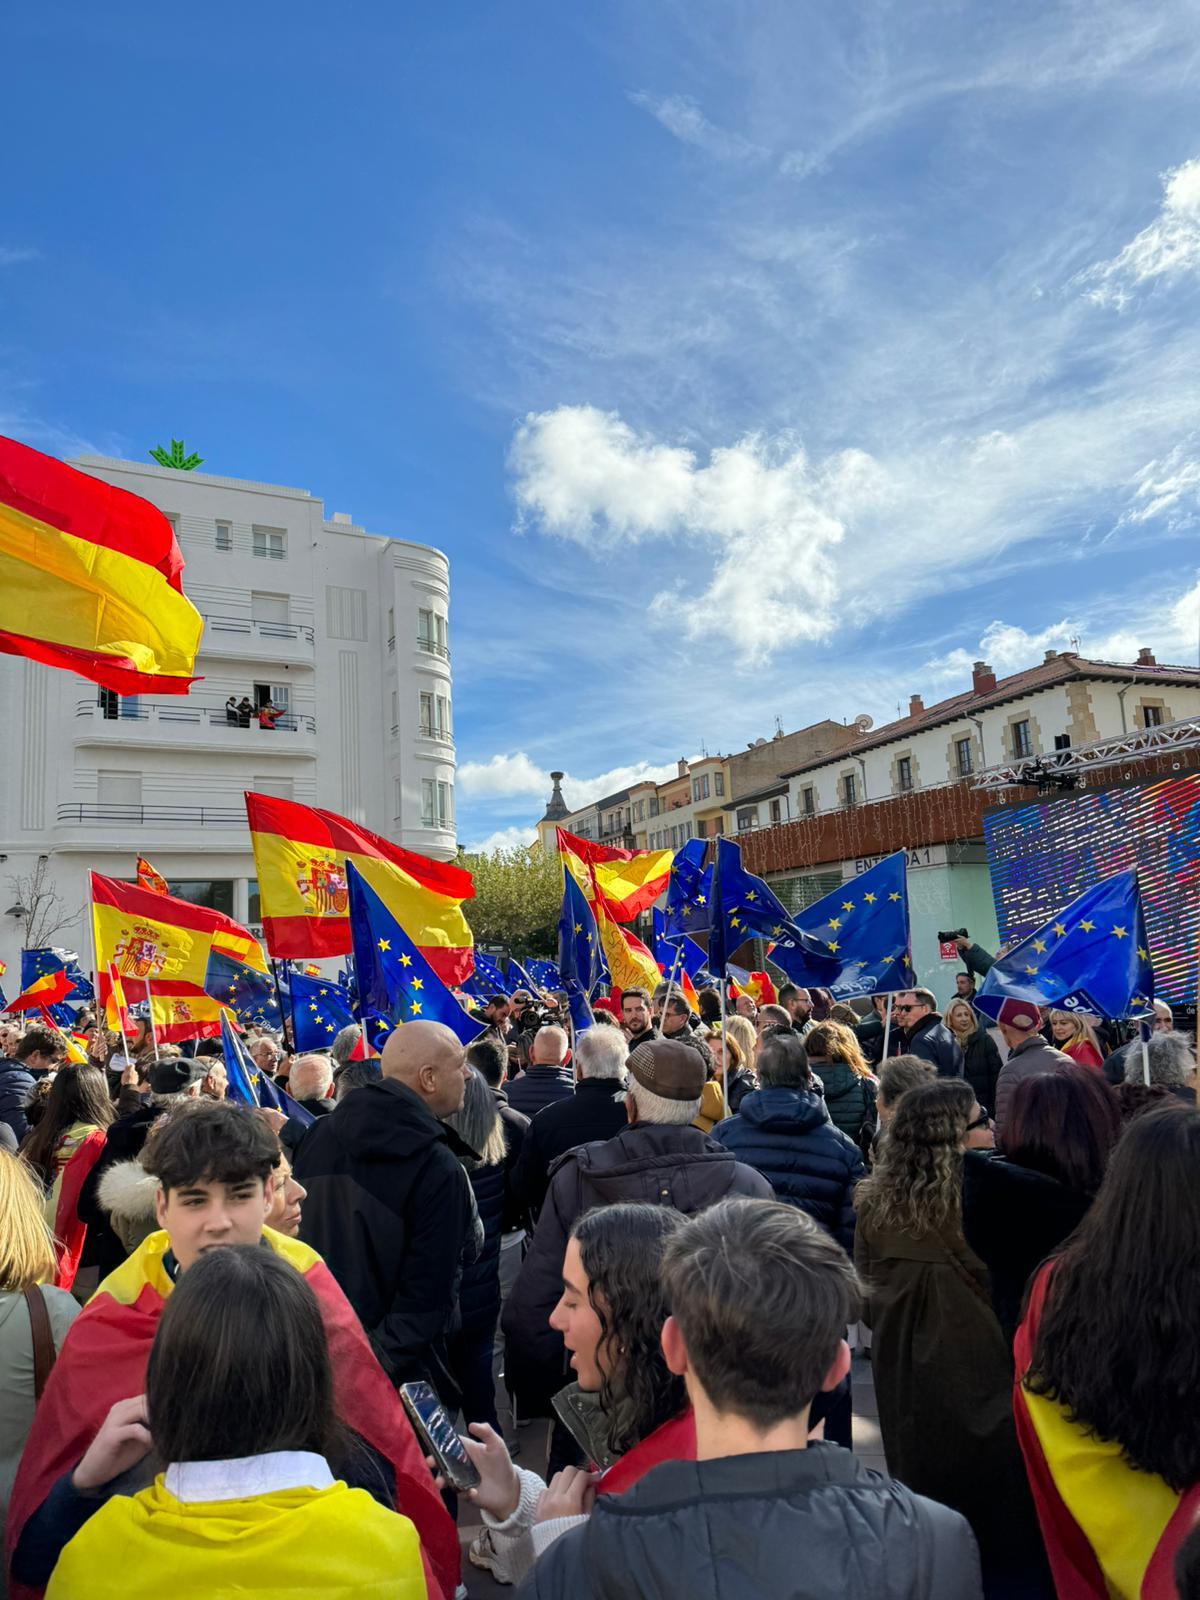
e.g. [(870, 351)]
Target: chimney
[(1146, 657), (683, 768), (343, 519), (1051, 655), (915, 705), (983, 679)]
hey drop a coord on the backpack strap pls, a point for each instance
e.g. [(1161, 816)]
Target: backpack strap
[(44, 1353)]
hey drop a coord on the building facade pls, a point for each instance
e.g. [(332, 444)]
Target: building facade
[(345, 632)]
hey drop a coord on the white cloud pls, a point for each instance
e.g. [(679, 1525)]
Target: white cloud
[(512, 776), (1168, 248), (1167, 488), (516, 838), (681, 116)]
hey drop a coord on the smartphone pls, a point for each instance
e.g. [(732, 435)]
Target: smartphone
[(439, 1435)]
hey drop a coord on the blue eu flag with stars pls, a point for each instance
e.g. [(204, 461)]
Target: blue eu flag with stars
[(245, 1082), (1093, 956), (689, 892), (686, 951), (395, 981), (248, 993), (42, 963), (742, 908), (856, 940), (581, 962), (486, 980), (544, 973), (320, 1010)]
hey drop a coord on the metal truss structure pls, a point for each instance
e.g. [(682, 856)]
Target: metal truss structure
[(1068, 769)]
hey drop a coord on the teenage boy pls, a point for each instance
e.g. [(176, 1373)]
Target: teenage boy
[(213, 1161), (760, 1298)]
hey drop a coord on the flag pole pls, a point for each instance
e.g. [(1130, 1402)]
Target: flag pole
[(887, 1028), (1143, 1032), (115, 985), (724, 1045), (150, 1019), (671, 978)]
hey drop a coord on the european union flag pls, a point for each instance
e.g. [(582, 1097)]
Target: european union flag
[(486, 980), (855, 940), (544, 973), (689, 892), (394, 979), (581, 962), (245, 1082), (668, 951), (320, 1010), (248, 993), (742, 908), (1093, 956)]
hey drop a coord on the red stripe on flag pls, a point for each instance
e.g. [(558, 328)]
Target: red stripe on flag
[(330, 936), (110, 672)]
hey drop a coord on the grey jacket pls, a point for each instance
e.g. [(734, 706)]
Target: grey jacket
[(1034, 1055), (790, 1525)]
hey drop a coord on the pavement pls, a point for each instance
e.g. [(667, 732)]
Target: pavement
[(535, 1437)]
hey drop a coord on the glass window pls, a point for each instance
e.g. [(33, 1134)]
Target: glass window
[(962, 757), (1152, 716), (747, 817), (428, 802), (850, 789), (215, 894), (1062, 741), (269, 543), (1022, 744), (810, 802), (695, 789), (720, 782), (443, 716), (776, 811), (904, 773), (426, 712), (224, 536), (254, 901), (653, 805), (719, 825)]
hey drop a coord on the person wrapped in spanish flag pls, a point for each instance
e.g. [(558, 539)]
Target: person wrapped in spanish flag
[(213, 1163)]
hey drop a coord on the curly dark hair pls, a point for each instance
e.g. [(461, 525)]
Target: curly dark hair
[(1116, 1342), (621, 1248), (916, 1184)]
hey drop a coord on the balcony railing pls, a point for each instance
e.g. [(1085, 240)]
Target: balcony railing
[(102, 814), (432, 648), (442, 735), (263, 630), (180, 713)]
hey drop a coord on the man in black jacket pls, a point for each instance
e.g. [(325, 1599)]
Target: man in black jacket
[(760, 1299), (921, 1032), (389, 1204), (310, 1083), (659, 1158), (547, 1078), (595, 1111)]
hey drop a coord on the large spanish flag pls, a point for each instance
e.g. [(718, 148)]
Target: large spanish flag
[(628, 881), (91, 578), (103, 1360), (301, 851), (159, 946)]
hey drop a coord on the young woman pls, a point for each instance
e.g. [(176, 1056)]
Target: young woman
[(1019, 1205), (1074, 1036), (981, 1058), (62, 1150), (626, 1409), (743, 1035), (1107, 1368), (942, 1370), (850, 1086), (725, 1048), (239, 1408), (29, 1337)]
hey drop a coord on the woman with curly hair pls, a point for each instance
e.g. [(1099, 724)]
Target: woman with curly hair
[(943, 1376), (626, 1409), (835, 1055), (1108, 1368)]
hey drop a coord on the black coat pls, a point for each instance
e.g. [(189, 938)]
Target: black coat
[(1013, 1219), (538, 1087), (124, 1141), (981, 1067), (869, 1034), (741, 1083), (930, 1040), (809, 1524), (391, 1211), (661, 1165), (16, 1085), (787, 1135), (595, 1111)]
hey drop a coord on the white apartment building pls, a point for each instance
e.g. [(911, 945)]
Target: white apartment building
[(345, 631)]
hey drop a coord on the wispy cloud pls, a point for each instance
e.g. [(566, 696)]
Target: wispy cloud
[(681, 116), (1168, 248), (514, 838), (508, 776)]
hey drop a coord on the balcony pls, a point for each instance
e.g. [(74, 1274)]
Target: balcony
[(101, 815), (242, 639), (179, 724), (432, 648), (438, 735)]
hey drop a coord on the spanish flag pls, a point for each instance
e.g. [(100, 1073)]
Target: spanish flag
[(627, 881), (91, 579), (630, 964), (103, 1360), (161, 943), (301, 852), (51, 989), (150, 878)]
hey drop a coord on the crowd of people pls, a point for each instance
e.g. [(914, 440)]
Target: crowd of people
[(674, 1240)]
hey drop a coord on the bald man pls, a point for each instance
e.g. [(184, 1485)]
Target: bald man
[(389, 1205), (547, 1078)]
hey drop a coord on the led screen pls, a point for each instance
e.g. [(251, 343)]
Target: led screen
[(1043, 854)]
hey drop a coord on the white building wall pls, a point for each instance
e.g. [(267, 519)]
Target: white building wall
[(166, 777)]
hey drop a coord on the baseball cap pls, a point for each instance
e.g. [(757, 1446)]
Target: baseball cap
[(1020, 1014), (671, 1070), (173, 1077)]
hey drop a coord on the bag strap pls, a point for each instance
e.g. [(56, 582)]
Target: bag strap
[(44, 1352)]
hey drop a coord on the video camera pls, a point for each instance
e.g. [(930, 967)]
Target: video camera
[(954, 933)]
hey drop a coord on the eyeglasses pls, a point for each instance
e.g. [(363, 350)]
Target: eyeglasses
[(904, 1010), (981, 1121)]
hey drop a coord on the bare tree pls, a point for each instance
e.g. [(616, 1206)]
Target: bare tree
[(42, 910)]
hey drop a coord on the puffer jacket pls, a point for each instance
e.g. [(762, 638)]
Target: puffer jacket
[(16, 1086), (981, 1066), (788, 1136), (849, 1099), (711, 1529), (660, 1165), (1030, 1056)]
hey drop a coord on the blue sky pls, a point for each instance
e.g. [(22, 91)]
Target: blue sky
[(749, 360)]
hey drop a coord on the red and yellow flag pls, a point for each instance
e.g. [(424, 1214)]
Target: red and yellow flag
[(91, 579), (628, 881), (149, 878), (155, 940), (301, 851), (629, 962), (50, 990)]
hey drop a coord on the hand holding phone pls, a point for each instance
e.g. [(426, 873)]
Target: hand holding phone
[(439, 1435)]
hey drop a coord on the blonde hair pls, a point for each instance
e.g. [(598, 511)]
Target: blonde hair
[(842, 1045), (26, 1243), (964, 1033), (741, 1030), (731, 1045), (1082, 1031)]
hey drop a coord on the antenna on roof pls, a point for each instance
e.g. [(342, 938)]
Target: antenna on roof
[(778, 723), (1075, 643)]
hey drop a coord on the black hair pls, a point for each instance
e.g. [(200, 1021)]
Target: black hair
[(38, 1041), (240, 1362), (489, 1058), (78, 1094), (211, 1141)]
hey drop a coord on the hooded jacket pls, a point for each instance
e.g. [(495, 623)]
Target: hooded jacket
[(786, 1525), (651, 1162), (127, 1194), (849, 1098), (787, 1135), (390, 1209)]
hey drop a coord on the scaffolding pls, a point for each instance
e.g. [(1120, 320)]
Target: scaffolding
[(1069, 769)]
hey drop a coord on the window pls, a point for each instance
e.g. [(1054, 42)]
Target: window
[(702, 829), (270, 544), (776, 811), (639, 811), (110, 705), (719, 825), (437, 804), (224, 535), (431, 633), (214, 894), (391, 628), (809, 801), (849, 789), (700, 787), (1152, 716), (443, 717), (719, 783), (653, 804), (962, 757), (277, 694), (1062, 741), (254, 901), (1022, 744), (747, 817), (426, 712), (904, 773)]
